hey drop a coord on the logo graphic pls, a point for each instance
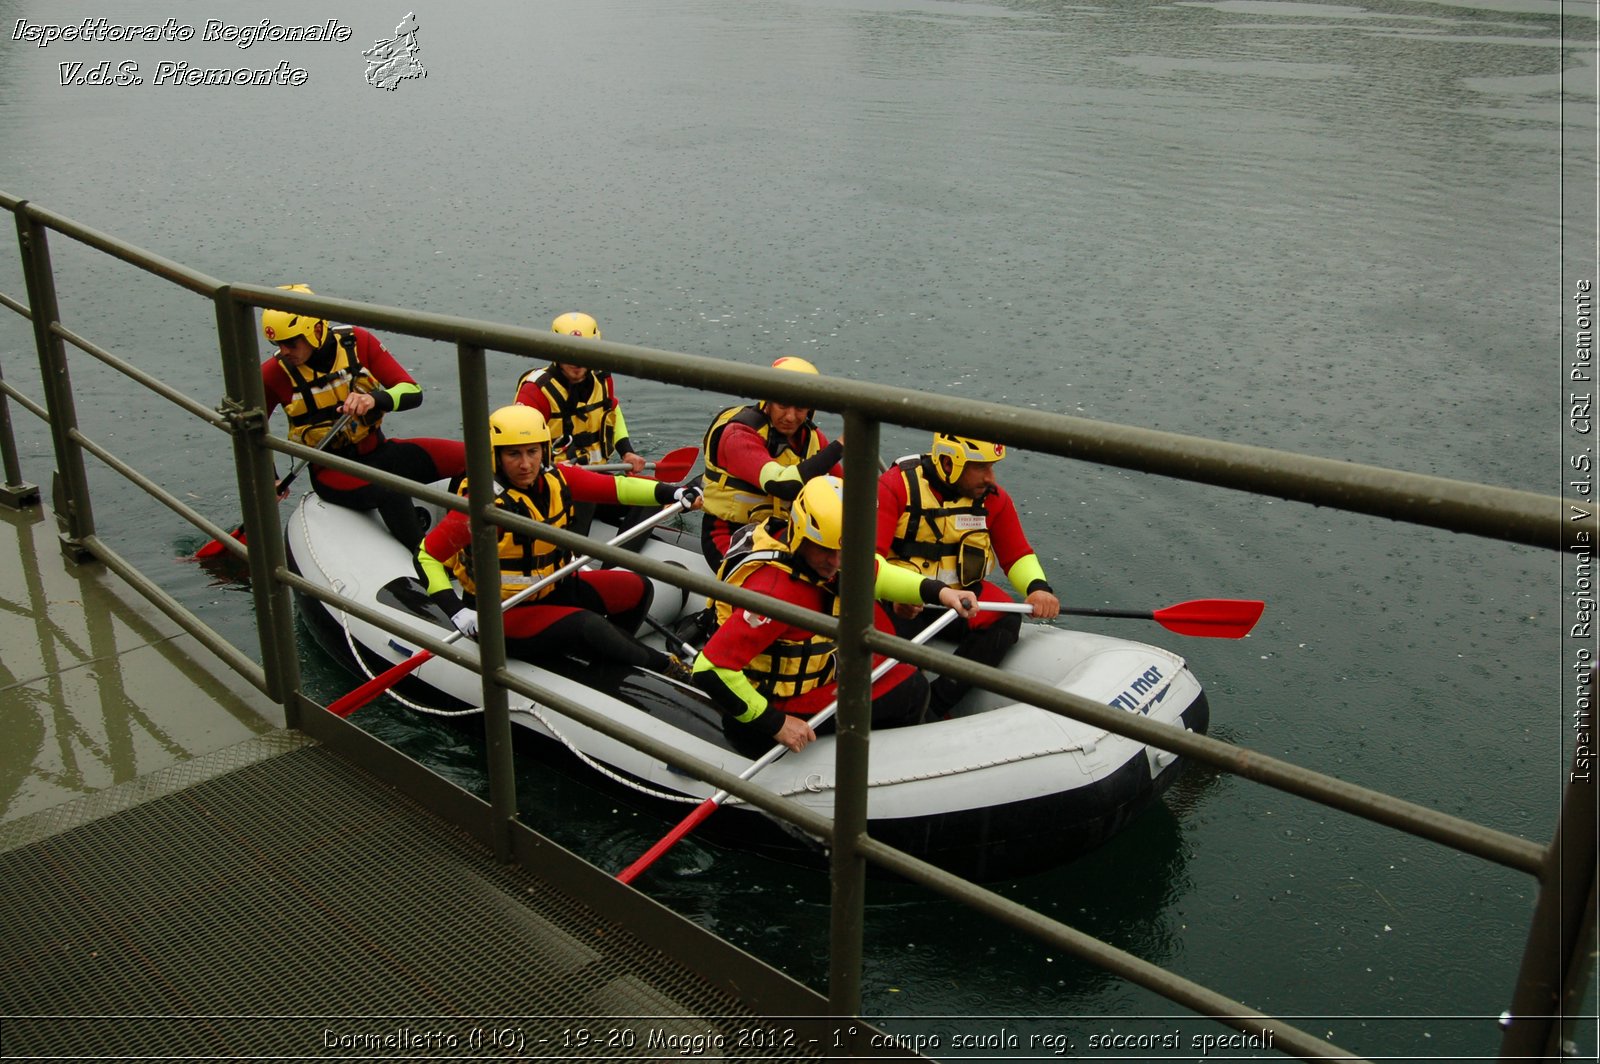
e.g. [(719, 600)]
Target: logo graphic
[(393, 61)]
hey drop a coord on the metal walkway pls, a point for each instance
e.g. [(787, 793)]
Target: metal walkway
[(270, 900), (263, 897)]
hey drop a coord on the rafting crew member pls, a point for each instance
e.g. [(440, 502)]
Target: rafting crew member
[(589, 614), (322, 372), (758, 456), (585, 418), (943, 515), (766, 675)]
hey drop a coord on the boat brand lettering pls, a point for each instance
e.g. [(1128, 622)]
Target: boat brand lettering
[(1132, 699)]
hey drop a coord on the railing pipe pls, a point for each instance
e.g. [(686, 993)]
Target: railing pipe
[(129, 370), (157, 597), (1279, 1035), (1507, 514), (157, 492), (165, 268), (1376, 806)]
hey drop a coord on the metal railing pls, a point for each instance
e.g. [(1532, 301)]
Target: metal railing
[(1554, 968)]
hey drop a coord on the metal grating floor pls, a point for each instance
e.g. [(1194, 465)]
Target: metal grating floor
[(272, 901)]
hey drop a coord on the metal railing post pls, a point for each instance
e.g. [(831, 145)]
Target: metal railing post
[(856, 604), (1557, 955), (71, 504), (245, 407), (14, 492), (486, 574)]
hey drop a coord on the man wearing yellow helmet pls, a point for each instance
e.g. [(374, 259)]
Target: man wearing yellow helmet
[(589, 614), (943, 515), (580, 404), (767, 676), (322, 372), (586, 422), (758, 456)]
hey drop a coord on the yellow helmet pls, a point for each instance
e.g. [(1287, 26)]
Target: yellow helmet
[(817, 514), (514, 425), (952, 453), (573, 323), (281, 326), (795, 364)]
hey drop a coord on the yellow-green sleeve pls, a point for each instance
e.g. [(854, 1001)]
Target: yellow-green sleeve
[(637, 491), (739, 685), (896, 583), (1025, 571), (438, 576)]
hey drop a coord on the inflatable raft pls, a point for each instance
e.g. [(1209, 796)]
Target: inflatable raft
[(999, 790)]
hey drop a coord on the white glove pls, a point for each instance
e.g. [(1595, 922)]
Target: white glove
[(466, 622), (687, 496)]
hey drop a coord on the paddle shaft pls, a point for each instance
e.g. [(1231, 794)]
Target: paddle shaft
[(322, 445), (614, 467), (672, 465), (1215, 618), (348, 704), (709, 806), (679, 646)]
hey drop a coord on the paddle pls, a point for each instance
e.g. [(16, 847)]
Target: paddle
[(216, 546), (675, 645), (348, 704), (1211, 618), (670, 467), (706, 808)]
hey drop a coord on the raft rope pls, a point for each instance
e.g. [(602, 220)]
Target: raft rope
[(530, 710), (812, 785)]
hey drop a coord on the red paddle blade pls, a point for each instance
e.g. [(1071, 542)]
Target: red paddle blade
[(1215, 618), (376, 686), (216, 547), (674, 465)]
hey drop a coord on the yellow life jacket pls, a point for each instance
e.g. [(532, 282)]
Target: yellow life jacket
[(318, 395), (945, 539), (523, 559), (733, 499), (584, 415), (788, 667)]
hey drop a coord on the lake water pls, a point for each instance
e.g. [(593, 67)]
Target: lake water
[(1348, 230)]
